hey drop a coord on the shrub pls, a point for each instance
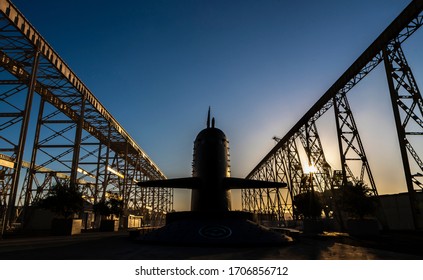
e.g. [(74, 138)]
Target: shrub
[(64, 200)]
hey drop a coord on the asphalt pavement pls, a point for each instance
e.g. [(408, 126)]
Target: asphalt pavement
[(119, 246)]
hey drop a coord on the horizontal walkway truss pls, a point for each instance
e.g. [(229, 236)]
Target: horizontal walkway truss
[(70, 138), (283, 162)]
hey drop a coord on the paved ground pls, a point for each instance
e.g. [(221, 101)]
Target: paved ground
[(118, 246)]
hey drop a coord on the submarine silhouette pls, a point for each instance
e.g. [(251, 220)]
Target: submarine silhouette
[(211, 220)]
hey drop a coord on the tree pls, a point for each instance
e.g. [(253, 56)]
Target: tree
[(107, 207), (357, 199), (308, 204), (64, 200), (102, 208), (116, 206)]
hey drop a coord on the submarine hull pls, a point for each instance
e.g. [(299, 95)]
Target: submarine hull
[(211, 221), (230, 228)]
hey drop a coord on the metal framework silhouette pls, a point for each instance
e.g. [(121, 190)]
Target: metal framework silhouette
[(74, 138), (283, 162)]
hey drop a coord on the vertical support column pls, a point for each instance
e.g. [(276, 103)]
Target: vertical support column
[(32, 171), (353, 151), (97, 177), (280, 176), (306, 143), (294, 167), (339, 134), (284, 165), (106, 166), (245, 200), (21, 145), (406, 99), (138, 176), (124, 190), (171, 202), (320, 177), (77, 144)]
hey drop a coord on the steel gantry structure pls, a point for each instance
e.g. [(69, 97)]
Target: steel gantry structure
[(283, 162), (73, 138)]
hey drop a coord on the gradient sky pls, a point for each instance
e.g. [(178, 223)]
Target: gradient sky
[(157, 66)]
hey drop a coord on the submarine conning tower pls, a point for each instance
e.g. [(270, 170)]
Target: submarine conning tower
[(211, 164), (210, 221)]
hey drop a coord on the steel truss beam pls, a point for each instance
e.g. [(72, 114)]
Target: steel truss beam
[(351, 148), (402, 27), (407, 104), (75, 139), (268, 202), (285, 166)]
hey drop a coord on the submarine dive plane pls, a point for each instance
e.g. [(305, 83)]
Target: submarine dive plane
[(211, 220)]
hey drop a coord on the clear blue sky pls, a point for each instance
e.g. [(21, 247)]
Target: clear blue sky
[(157, 66)]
